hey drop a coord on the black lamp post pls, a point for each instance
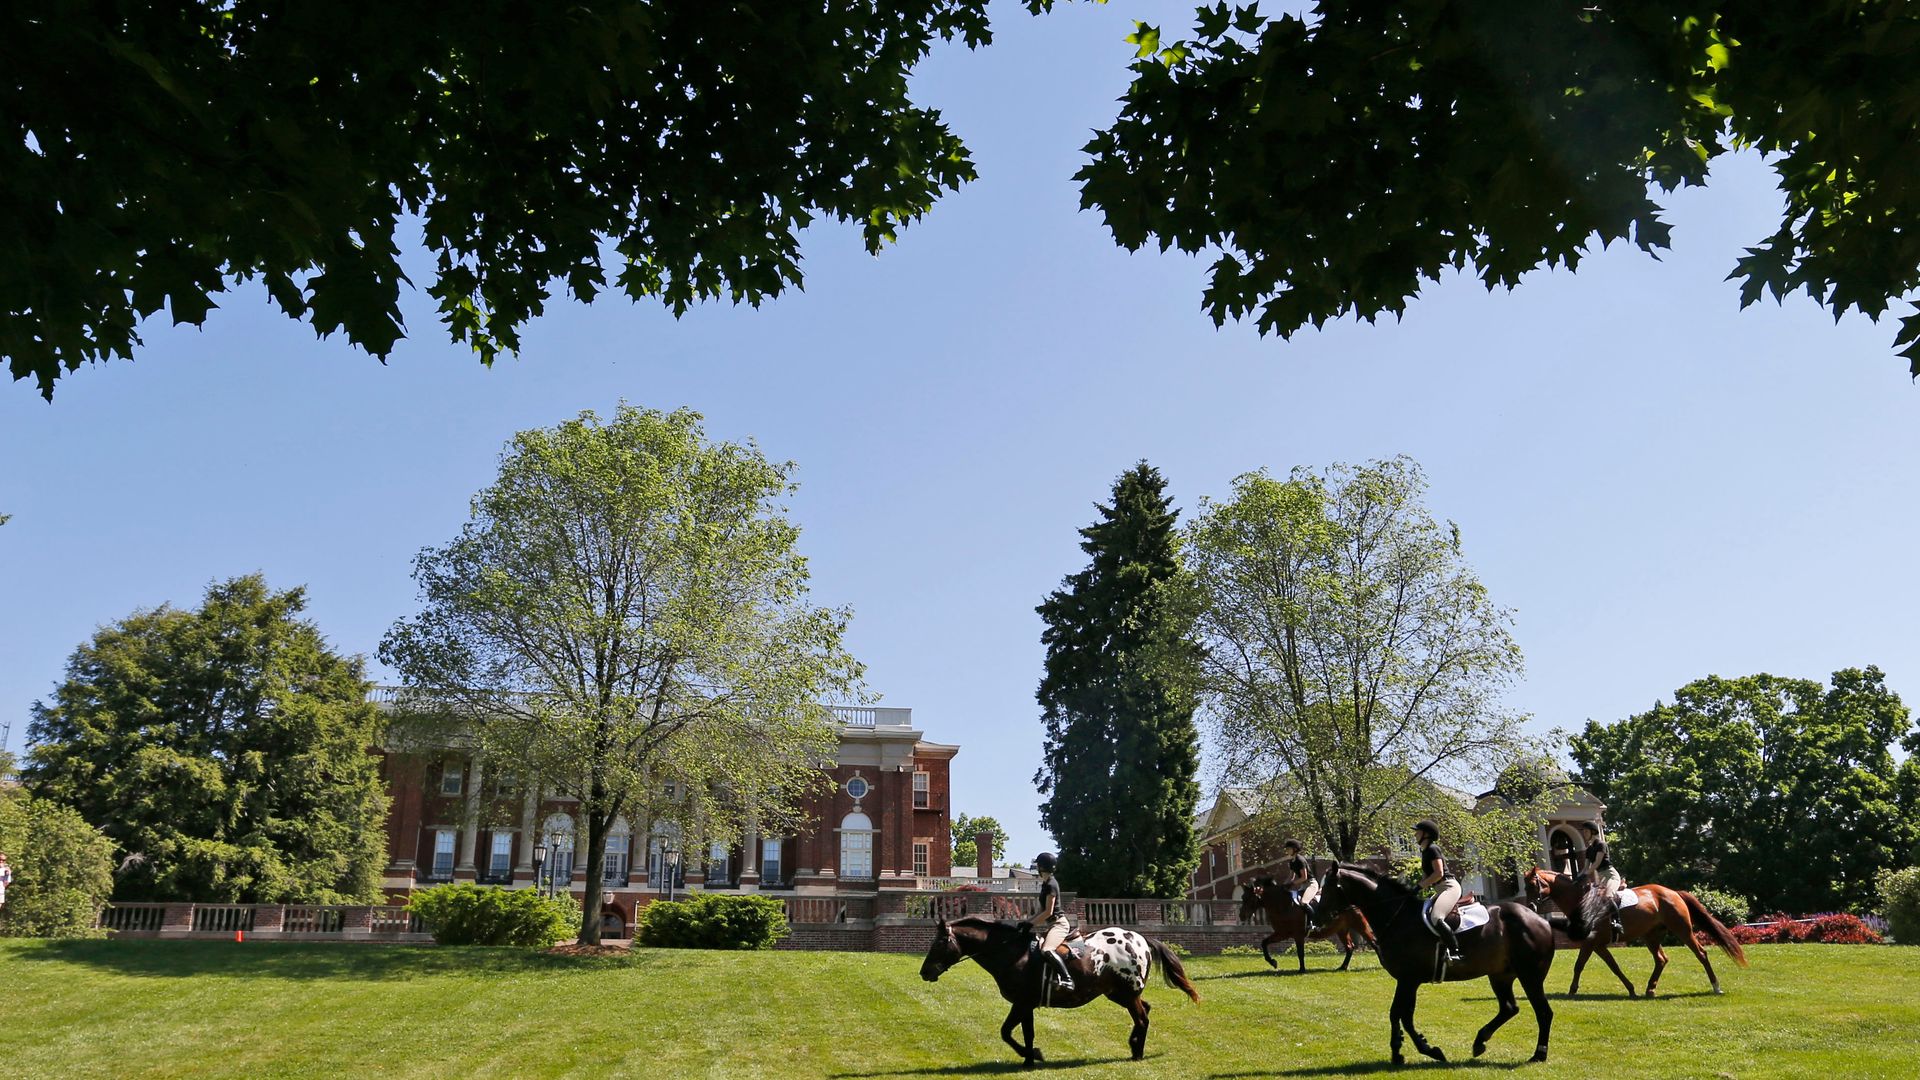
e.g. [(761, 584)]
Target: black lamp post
[(669, 862), (539, 862)]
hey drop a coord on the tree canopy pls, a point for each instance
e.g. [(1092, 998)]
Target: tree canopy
[(1352, 656), (966, 831), (1335, 160), (624, 619), (1119, 777), (227, 751), (1773, 788), (1339, 158), (62, 867)]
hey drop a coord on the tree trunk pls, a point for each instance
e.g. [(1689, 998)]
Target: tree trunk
[(597, 828)]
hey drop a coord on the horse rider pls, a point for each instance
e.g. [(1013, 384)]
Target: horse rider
[(1299, 879), (1435, 874), (1053, 918), (1602, 873)]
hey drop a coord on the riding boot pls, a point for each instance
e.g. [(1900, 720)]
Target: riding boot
[(1619, 931), (1065, 978), (1453, 943)]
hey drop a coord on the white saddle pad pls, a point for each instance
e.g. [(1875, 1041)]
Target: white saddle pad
[(1627, 898), (1472, 916)]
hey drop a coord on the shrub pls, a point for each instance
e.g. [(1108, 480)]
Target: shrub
[(466, 914), (1240, 950), (1831, 929), (1900, 903), (62, 869), (1842, 930), (712, 921), (1728, 908)]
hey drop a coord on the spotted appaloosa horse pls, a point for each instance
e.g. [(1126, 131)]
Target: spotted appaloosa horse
[(1288, 918), (1660, 911), (1516, 943), (1115, 965)]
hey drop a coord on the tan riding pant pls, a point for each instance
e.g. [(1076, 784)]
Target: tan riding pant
[(1447, 895), (1610, 882), (1311, 893), (1057, 930)]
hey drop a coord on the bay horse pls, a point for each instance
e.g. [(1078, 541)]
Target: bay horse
[(1288, 918), (1672, 911), (1516, 943), (1115, 965)]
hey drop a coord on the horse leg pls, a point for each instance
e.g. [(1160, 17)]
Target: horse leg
[(1138, 1040), (1509, 1008), (1684, 931), (1659, 965), (1006, 1030), (1536, 987), (1346, 943), (1264, 951), (1607, 955), (1026, 1031), (1420, 1042), (1580, 965), (1401, 992), (1300, 950)]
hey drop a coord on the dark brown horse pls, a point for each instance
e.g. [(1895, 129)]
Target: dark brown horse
[(1288, 918), (1116, 966), (1516, 943), (1661, 911)]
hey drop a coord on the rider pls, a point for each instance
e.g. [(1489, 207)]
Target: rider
[(1299, 879), (1602, 874), (1435, 873), (1052, 917)]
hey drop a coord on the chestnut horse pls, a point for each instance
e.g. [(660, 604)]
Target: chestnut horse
[(1516, 943), (1660, 910), (1006, 951), (1288, 918)]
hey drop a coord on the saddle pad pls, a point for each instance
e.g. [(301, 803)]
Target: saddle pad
[(1472, 916), (1628, 898), (1118, 948)]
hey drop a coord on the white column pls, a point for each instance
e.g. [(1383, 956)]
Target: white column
[(470, 819)]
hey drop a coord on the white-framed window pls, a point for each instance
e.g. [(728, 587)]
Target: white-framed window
[(922, 790), (443, 853), (1233, 855), (719, 865), (857, 789), (922, 855), (500, 858), (451, 778), (770, 863), (616, 868), (558, 832), (856, 847)]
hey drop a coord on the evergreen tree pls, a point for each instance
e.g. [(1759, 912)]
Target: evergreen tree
[(228, 753), (1117, 701)]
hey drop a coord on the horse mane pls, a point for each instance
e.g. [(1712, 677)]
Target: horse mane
[(984, 922), (1387, 882)]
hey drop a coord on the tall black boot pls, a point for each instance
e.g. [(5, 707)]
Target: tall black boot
[(1453, 942), (1060, 968)]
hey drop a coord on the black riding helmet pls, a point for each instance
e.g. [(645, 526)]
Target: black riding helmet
[(1427, 827), (1590, 828), (1045, 862), (1292, 844)]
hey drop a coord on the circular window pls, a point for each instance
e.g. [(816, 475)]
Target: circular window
[(857, 788)]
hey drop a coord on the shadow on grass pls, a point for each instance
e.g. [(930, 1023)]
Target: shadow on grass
[(1269, 973), (311, 961), (1363, 1068), (984, 1068)]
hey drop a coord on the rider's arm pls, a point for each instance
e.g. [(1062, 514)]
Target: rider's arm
[(1439, 874)]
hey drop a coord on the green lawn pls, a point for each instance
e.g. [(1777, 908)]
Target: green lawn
[(218, 1009)]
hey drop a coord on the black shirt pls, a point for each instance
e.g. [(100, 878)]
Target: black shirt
[(1597, 856), (1430, 856), (1050, 893), (1298, 866)]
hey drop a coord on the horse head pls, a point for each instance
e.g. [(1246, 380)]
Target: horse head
[(1253, 897), (943, 953), (1573, 894)]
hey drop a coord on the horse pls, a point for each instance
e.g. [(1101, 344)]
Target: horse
[(1677, 912), (1115, 965), (1516, 943), (1288, 918)]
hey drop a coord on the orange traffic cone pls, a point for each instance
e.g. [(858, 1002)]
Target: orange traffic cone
[(239, 935)]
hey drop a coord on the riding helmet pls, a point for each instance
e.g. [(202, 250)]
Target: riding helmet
[(1045, 862), (1427, 826), (1591, 827), (1294, 844)]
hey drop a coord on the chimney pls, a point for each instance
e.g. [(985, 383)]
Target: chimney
[(983, 855)]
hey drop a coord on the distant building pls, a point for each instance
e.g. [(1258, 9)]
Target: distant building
[(883, 826)]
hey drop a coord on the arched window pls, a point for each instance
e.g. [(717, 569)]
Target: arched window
[(856, 847), (558, 833), (617, 849)]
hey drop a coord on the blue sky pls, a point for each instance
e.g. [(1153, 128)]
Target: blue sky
[(1660, 486)]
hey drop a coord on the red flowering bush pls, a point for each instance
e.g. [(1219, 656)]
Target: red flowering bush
[(1843, 930), (1783, 930)]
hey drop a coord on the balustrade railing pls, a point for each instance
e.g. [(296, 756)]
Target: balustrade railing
[(134, 918), (313, 919), (222, 918)]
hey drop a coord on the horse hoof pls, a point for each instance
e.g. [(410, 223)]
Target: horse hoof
[(1479, 1048), (1272, 963), (1717, 990), (1399, 1058), (1538, 1055)]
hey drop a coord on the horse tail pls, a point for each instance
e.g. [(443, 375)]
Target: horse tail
[(1713, 928), (1171, 968)]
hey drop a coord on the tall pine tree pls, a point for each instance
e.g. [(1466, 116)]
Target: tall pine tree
[(1119, 781)]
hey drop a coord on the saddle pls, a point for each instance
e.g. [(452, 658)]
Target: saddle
[(1468, 914)]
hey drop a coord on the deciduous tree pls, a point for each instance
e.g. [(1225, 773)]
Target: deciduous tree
[(227, 751), (1119, 777), (625, 609), (966, 831), (1352, 657), (62, 868)]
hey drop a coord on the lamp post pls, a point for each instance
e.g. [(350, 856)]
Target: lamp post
[(539, 862), (669, 862)]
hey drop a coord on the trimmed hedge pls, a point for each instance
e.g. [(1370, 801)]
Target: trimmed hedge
[(1900, 903), (466, 914), (712, 921), (1728, 908)]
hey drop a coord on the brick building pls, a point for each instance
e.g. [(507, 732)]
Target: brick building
[(883, 826)]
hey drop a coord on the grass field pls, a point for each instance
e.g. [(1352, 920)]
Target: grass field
[(217, 1009)]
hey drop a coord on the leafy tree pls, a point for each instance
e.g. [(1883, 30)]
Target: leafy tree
[(1340, 157), (681, 146), (226, 750), (1769, 787), (62, 868), (626, 610), (1351, 653), (1117, 703), (966, 850)]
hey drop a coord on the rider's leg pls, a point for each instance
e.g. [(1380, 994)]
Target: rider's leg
[(1049, 946), (1308, 897), (1613, 890), (1443, 902)]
